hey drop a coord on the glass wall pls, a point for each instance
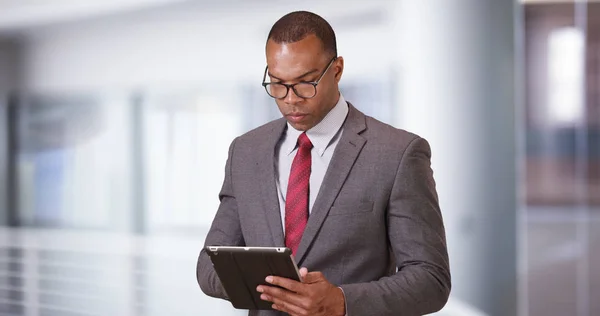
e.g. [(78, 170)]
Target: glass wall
[(131, 180), (3, 157), (73, 161), (186, 136), (562, 159)]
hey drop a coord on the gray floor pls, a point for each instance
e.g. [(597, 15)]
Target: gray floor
[(79, 273), (62, 273), (68, 273), (563, 253)]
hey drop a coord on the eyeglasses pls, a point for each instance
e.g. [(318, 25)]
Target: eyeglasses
[(303, 89)]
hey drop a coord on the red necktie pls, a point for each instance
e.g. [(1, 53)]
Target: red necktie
[(296, 201)]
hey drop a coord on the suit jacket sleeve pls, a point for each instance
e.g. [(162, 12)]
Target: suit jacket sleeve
[(225, 231), (416, 235)]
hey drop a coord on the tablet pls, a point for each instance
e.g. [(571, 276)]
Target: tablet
[(242, 269)]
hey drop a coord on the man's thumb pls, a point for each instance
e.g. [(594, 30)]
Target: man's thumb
[(303, 272)]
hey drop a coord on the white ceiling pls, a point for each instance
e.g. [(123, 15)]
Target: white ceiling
[(551, 1), (23, 14), (19, 14)]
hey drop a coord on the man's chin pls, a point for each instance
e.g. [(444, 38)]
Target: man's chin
[(299, 126)]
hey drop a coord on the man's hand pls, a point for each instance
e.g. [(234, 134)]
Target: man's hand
[(313, 296)]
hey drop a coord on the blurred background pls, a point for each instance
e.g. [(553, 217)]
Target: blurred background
[(116, 116)]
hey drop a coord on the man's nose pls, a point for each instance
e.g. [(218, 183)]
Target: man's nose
[(292, 97)]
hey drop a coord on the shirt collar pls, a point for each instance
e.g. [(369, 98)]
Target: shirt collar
[(321, 134)]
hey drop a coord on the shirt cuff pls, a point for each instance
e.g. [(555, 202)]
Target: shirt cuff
[(345, 304)]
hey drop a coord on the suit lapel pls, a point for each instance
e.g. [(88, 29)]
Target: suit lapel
[(344, 156), (266, 169)]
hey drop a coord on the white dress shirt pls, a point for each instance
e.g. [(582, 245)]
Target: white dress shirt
[(324, 136)]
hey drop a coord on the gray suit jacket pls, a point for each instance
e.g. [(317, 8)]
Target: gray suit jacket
[(377, 211)]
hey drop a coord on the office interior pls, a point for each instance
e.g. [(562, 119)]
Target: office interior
[(116, 117)]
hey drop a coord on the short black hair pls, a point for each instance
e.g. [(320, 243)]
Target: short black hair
[(297, 25)]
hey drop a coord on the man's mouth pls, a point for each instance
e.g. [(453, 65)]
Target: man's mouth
[(296, 117)]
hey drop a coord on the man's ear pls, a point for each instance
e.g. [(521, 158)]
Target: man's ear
[(338, 67)]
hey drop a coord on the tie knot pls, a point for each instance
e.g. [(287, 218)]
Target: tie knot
[(304, 142)]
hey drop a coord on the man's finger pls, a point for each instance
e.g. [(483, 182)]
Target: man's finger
[(287, 307), (291, 285), (281, 296), (313, 277)]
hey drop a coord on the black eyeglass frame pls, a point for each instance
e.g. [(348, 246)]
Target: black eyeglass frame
[(293, 86)]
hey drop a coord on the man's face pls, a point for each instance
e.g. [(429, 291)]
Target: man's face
[(304, 61)]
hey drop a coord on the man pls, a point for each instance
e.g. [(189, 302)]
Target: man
[(352, 197)]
